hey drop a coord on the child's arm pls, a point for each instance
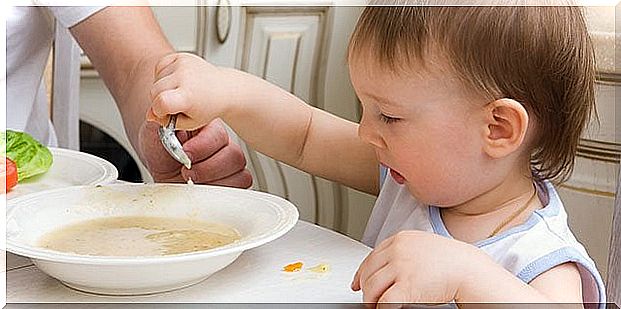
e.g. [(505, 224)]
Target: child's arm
[(268, 118), (415, 267), (561, 284)]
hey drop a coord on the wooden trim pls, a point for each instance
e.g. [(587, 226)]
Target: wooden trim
[(588, 191), (604, 144), (201, 28), (613, 285), (280, 10), (608, 78), (599, 151)]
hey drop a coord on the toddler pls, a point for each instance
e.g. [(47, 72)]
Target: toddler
[(474, 111)]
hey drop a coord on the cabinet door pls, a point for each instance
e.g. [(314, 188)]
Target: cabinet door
[(283, 47)]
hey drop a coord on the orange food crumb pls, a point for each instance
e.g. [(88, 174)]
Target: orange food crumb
[(293, 267)]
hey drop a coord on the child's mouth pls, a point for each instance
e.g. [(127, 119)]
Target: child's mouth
[(397, 177)]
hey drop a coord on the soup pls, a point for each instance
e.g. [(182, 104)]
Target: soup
[(138, 236)]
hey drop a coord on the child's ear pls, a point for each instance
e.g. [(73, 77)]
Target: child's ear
[(506, 123)]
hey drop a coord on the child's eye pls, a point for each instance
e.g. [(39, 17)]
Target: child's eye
[(388, 119)]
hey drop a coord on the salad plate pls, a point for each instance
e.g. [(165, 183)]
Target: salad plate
[(69, 168)]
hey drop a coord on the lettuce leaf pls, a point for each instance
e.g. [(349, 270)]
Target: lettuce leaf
[(31, 157)]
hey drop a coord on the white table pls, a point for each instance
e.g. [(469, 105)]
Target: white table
[(255, 277)]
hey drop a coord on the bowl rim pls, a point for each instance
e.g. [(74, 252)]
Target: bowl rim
[(290, 219), (111, 173)]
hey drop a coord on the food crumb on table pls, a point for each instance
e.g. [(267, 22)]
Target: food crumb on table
[(320, 268), (297, 266)]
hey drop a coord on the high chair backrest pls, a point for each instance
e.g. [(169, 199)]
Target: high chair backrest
[(65, 106), (614, 258)]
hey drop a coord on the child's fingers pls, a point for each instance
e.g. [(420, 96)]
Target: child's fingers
[(168, 82), (169, 70), (170, 102), (153, 118), (395, 294), (186, 123), (355, 284), (164, 63), (373, 263), (385, 243), (377, 283), (183, 122)]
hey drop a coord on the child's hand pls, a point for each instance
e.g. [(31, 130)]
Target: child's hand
[(198, 91), (415, 267)]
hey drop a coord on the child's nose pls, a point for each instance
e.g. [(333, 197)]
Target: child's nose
[(368, 133)]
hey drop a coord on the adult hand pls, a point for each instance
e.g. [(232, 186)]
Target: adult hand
[(215, 159)]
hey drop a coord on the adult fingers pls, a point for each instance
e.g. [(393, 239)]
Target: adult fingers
[(242, 179), (205, 141), (224, 163)]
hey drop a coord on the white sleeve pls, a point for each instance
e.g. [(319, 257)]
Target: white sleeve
[(69, 16)]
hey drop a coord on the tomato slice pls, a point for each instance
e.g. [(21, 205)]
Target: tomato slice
[(10, 170)]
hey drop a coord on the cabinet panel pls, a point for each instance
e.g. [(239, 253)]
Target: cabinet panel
[(180, 25), (282, 46), (284, 50)]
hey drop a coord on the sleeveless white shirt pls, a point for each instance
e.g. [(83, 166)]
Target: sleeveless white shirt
[(527, 250)]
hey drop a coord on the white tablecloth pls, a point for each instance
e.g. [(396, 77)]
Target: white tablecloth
[(255, 277)]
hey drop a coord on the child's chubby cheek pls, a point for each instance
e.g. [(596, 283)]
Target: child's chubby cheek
[(437, 191)]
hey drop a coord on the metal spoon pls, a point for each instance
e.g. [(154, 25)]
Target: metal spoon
[(172, 144)]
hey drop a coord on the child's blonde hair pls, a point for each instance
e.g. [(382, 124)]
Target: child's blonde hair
[(539, 56)]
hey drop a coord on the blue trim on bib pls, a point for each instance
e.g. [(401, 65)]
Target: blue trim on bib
[(383, 174), (436, 222), (552, 209), (558, 257)]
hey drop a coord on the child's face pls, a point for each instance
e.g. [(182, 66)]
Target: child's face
[(425, 129)]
